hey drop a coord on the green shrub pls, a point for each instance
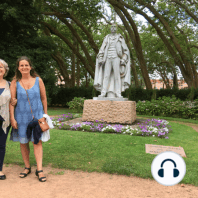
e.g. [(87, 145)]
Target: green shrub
[(139, 93), (76, 104), (168, 106)]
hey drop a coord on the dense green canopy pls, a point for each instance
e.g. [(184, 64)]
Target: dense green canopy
[(66, 35), (20, 36)]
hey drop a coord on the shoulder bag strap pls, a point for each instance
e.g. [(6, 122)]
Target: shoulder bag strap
[(28, 99)]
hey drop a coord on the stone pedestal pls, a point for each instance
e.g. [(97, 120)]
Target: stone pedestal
[(109, 98), (122, 112)]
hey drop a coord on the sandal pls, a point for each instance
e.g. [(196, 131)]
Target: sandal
[(2, 177), (25, 174), (40, 178)]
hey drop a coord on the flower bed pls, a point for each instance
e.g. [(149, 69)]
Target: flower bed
[(151, 127), (62, 118)]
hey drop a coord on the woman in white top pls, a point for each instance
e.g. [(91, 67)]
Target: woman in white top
[(5, 97)]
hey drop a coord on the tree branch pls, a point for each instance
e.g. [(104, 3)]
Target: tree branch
[(71, 46)]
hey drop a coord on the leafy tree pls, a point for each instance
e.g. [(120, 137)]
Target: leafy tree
[(20, 36)]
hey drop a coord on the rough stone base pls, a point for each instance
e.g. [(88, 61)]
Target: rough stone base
[(122, 112)]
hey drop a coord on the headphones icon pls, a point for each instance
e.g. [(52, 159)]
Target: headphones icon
[(175, 171)]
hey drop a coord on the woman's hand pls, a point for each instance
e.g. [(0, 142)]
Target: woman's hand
[(13, 101), (14, 123)]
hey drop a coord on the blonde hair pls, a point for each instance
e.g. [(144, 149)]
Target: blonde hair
[(5, 66)]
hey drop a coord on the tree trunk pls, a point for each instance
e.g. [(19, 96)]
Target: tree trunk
[(133, 68), (175, 79), (87, 82), (78, 70), (73, 66), (73, 60)]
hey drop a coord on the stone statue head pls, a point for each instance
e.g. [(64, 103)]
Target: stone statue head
[(113, 28)]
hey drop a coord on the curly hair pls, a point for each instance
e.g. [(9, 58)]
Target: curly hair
[(18, 74), (5, 65)]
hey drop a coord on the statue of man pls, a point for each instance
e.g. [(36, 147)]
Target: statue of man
[(112, 73)]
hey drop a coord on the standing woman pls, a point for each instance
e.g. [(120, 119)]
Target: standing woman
[(5, 97), (27, 79)]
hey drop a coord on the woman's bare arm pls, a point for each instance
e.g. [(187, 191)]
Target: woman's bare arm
[(11, 108), (43, 95)]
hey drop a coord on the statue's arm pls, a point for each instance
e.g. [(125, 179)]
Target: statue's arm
[(102, 52), (102, 48)]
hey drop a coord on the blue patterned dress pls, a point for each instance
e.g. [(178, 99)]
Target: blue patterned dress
[(23, 113)]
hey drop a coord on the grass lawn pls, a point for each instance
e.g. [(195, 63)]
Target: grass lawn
[(59, 111), (111, 153)]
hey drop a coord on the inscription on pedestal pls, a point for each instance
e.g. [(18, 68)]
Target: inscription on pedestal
[(156, 149)]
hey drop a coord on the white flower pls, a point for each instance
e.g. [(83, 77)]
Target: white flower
[(55, 123), (131, 134), (153, 135), (164, 122), (166, 129)]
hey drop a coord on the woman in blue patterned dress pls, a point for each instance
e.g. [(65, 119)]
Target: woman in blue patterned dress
[(27, 78)]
